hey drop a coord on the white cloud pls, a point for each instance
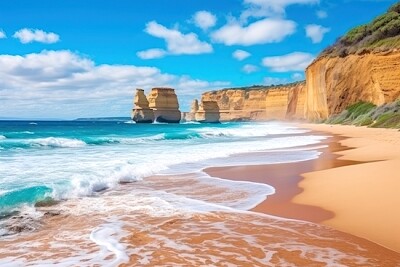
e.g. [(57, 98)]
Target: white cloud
[(177, 42), (260, 32), (241, 54), (296, 61), (264, 8), (34, 35), (322, 14), (297, 76), (316, 32), (66, 85), (204, 20), (2, 34), (248, 68), (151, 53)]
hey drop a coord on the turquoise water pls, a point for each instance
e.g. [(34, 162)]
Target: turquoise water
[(70, 159)]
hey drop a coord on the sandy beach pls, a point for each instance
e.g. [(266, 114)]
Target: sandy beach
[(363, 197), (352, 186)]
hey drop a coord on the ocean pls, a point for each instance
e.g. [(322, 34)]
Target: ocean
[(81, 193)]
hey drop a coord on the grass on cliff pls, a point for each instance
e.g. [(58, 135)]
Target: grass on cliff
[(261, 87), (367, 114), (382, 34)]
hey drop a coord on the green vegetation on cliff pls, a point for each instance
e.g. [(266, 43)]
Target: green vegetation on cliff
[(367, 114), (382, 34), (262, 87)]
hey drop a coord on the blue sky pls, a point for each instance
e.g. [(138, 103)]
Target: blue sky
[(68, 59)]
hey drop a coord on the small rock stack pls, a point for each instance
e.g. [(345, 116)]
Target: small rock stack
[(142, 113)]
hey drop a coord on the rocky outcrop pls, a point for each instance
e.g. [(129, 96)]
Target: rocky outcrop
[(190, 116), (164, 103), (259, 103), (208, 112), (142, 113), (334, 83)]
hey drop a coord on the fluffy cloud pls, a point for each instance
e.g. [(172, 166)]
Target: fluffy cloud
[(204, 20), (297, 61), (248, 68), (67, 85), (34, 35), (322, 14), (2, 34), (241, 55), (316, 32), (264, 8), (177, 42), (151, 53), (260, 32)]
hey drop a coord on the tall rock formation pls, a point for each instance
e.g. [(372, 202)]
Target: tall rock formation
[(142, 113), (164, 103), (208, 112), (190, 116)]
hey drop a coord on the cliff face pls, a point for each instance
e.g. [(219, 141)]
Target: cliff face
[(334, 83), (279, 102), (164, 103)]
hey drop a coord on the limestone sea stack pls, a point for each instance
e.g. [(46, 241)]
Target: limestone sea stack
[(142, 113), (208, 112), (164, 103)]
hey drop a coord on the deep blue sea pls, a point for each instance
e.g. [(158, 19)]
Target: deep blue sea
[(41, 160)]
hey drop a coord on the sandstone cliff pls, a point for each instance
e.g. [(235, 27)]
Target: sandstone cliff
[(208, 112), (334, 83), (259, 103), (363, 65), (142, 113), (164, 103)]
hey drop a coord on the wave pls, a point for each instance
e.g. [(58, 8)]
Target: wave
[(259, 130), (57, 142), (2, 137), (49, 142), (16, 198)]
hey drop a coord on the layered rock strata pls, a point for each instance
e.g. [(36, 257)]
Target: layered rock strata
[(208, 112), (334, 83), (260, 103), (190, 116), (164, 103), (142, 113)]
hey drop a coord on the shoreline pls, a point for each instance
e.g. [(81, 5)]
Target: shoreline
[(302, 194), (285, 178)]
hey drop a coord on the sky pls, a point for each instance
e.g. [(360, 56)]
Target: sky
[(85, 58)]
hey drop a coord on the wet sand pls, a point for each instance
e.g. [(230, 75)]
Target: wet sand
[(345, 188)]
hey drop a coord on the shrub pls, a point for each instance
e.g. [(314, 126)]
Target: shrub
[(388, 120), (360, 108), (395, 8)]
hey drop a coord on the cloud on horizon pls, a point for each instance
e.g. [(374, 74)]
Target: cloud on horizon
[(69, 85)]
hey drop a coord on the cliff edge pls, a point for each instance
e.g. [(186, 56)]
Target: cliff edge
[(363, 65)]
